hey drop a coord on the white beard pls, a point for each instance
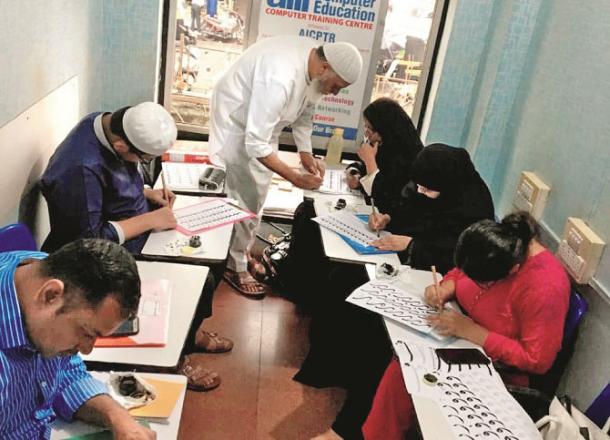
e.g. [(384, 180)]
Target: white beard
[(313, 91)]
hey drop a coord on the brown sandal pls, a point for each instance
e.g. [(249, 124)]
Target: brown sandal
[(207, 342), (258, 270), (197, 377), (249, 287)]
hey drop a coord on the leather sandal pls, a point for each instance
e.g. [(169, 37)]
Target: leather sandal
[(248, 287), (211, 342), (197, 377), (258, 270)]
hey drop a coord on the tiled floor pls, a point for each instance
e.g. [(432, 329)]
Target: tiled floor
[(258, 398)]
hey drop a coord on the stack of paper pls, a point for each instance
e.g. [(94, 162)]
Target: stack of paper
[(153, 315)]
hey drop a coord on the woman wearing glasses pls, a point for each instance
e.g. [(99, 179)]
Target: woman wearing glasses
[(391, 145), (515, 294)]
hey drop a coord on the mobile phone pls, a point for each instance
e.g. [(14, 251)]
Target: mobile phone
[(128, 328), (464, 356)]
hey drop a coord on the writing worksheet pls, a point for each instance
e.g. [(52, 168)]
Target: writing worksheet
[(209, 215), (347, 225), (396, 300), (183, 176), (335, 183), (472, 398)]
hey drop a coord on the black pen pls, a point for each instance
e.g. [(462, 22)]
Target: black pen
[(373, 209)]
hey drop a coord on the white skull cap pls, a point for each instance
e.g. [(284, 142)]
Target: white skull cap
[(150, 128), (345, 59)]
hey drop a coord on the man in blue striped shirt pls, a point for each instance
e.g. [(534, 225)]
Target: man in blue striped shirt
[(52, 307)]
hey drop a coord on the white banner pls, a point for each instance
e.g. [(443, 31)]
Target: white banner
[(353, 21)]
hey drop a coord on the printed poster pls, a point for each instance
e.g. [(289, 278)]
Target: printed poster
[(327, 21)]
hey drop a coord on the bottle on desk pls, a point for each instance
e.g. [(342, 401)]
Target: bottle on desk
[(334, 148)]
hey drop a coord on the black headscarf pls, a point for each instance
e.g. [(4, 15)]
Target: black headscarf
[(435, 224), (400, 145), (440, 167)]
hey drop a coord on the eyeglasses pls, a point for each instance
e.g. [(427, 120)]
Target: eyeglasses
[(145, 158)]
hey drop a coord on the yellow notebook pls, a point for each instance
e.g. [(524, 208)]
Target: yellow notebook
[(167, 396)]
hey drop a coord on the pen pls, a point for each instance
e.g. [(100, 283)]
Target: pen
[(373, 209), (436, 286), (165, 194)]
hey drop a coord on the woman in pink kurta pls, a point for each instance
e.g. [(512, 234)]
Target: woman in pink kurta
[(515, 310)]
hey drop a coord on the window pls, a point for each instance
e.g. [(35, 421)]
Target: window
[(208, 38), (204, 37), (403, 46)]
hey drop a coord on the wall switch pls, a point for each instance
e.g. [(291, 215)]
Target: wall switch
[(580, 250), (531, 194)]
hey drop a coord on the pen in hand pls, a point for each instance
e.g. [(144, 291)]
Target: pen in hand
[(436, 288), (165, 193), (373, 209)]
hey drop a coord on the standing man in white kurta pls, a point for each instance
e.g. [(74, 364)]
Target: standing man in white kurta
[(275, 83)]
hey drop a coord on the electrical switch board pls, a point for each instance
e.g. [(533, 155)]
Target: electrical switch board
[(531, 194), (580, 250)]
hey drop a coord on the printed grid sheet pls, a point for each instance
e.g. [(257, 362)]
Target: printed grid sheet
[(209, 215), (472, 398), (348, 225), (183, 176)]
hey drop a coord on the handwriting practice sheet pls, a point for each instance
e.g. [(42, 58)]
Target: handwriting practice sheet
[(396, 300), (208, 215), (348, 225), (472, 398)]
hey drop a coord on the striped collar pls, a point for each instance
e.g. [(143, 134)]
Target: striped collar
[(12, 327)]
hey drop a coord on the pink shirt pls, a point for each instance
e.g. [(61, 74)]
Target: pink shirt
[(524, 313)]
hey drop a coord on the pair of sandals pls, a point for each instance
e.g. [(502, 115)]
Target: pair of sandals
[(198, 377), (248, 285)]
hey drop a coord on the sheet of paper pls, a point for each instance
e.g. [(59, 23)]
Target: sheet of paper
[(399, 300), (348, 225), (167, 395), (183, 176), (335, 183), (472, 398), (208, 215)]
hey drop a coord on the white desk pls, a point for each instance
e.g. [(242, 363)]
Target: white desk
[(281, 203), (335, 247), (166, 431), (215, 242), (431, 421), (187, 283)]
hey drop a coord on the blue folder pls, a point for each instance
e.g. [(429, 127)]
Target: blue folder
[(363, 250)]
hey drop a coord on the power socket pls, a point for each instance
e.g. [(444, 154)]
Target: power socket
[(531, 194), (580, 250)]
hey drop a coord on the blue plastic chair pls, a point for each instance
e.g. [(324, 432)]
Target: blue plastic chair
[(16, 237), (535, 399), (576, 311), (599, 411)]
